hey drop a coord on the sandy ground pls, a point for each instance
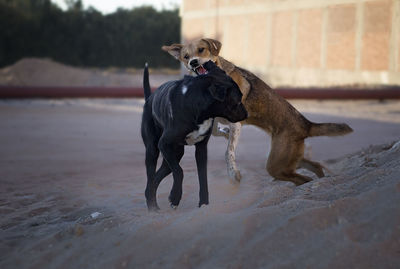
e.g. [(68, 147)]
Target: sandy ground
[(72, 178)]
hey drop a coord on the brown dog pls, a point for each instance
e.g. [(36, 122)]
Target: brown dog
[(267, 110)]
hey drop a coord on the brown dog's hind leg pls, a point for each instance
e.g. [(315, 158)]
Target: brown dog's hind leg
[(314, 167), (285, 155)]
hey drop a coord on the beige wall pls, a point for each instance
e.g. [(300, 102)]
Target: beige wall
[(303, 42)]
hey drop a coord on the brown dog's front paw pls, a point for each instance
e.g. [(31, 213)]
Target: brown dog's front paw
[(235, 177), (238, 176)]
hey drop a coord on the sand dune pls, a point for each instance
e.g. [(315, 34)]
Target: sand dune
[(72, 179)]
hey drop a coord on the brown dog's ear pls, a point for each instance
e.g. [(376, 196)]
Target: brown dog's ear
[(214, 45), (174, 50)]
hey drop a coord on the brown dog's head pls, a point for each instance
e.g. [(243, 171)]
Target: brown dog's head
[(194, 54)]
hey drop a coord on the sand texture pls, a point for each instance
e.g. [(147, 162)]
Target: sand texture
[(72, 181)]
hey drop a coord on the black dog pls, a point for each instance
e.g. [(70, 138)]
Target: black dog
[(181, 113)]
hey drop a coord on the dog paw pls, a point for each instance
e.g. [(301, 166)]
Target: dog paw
[(152, 206), (201, 203), (173, 202), (320, 173), (238, 176), (173, 206), (154, 211), (235, 177)]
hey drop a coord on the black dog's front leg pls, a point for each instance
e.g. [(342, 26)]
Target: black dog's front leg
[(201, 161), (169, 152)]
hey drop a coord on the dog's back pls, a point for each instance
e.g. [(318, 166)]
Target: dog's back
[(276, 113), (157, 105), (168, 103)]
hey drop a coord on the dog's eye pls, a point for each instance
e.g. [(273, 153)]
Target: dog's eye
[(201, 50), (186, 56)]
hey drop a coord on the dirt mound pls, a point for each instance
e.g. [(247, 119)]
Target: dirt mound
[(45, 72)]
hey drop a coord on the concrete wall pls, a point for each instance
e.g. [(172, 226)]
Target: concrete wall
[(303, 42)]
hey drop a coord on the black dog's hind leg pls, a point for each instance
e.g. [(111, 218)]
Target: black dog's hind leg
[(201, 161), (161, 173), (169, 153), (152, 154), (164, 169)]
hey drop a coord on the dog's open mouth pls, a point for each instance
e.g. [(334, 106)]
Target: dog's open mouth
[(200, 70)]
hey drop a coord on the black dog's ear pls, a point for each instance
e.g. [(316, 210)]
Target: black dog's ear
[(174, 50), (217, 92)]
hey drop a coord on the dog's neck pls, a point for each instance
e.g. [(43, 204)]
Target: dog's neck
[(225, 65), (197, 103)]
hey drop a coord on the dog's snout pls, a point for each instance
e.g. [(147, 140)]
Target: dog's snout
[(194, 62)]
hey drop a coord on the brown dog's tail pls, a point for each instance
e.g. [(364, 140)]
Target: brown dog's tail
[(329, 129)]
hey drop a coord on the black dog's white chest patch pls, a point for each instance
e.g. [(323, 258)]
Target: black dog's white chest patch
[(199, 134)]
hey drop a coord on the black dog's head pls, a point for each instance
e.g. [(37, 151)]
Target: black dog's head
[(226, 93)]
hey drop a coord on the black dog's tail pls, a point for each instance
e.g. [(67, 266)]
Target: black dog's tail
[(146, 83)]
